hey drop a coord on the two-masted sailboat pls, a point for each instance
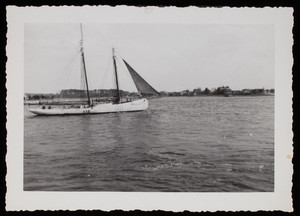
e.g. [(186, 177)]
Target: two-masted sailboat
[(89, 107)]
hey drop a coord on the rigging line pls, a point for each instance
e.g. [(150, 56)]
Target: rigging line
[(65, 80), (107, 71), (69, 63), (66, 70), (57, 77), (67, 75)]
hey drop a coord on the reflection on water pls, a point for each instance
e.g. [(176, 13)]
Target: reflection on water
[(179, 144)]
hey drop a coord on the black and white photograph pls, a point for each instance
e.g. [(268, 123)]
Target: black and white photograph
[(153, 106), (200, 119)]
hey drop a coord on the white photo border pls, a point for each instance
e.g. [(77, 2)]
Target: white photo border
[(281, 199)]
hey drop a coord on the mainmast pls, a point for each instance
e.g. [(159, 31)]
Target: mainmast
[(84, 68), (116, 74)]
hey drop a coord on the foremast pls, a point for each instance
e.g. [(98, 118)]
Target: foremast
[(84, 67), (116, 75)]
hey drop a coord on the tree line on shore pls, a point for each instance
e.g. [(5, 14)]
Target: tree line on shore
[(222, 90), (76, 93)]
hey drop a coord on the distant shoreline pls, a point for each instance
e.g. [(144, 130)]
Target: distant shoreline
[(212, 95), (70, 101), (111, 93)]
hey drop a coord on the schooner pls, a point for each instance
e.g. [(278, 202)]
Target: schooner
[(140, 104)]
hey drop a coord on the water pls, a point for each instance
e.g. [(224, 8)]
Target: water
[(180, 144)]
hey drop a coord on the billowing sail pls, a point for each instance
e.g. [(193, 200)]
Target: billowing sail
[(142, 86)]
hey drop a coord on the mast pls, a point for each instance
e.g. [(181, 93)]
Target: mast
[(116, 74), (84, 68)]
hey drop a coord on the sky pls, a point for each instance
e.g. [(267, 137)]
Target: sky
[(170, 57)]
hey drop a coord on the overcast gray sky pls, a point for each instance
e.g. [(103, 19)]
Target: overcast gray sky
[(171, 57)]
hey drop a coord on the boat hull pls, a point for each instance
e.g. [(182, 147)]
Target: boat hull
[(133, 106)]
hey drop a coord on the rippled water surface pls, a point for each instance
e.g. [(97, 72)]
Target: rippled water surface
[(179, 144)]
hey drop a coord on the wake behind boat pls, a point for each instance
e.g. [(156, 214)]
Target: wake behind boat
[(89, 107)]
